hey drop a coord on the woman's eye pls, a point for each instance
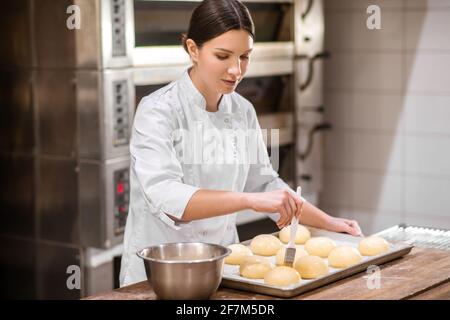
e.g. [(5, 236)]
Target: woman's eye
[(222, 57), (245, 57)]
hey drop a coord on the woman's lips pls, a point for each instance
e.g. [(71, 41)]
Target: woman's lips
[(229, 83)]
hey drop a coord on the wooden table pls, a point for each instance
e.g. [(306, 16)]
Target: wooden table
[(422, 274)]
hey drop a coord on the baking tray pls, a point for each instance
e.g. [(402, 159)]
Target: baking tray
[(418, 236), (232, 279)]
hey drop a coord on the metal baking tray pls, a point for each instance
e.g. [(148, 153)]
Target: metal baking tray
[(232, 279), (418, 236)]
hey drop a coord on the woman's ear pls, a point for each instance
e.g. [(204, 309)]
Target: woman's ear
[(193, 49)]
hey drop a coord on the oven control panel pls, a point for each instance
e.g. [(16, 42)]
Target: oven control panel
[(121, 199), (121, 113), (118, 28)]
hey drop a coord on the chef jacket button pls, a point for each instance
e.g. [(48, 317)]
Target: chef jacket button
[(227, 120)]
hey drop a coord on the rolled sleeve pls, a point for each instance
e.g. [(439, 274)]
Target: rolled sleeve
[(157, 169)]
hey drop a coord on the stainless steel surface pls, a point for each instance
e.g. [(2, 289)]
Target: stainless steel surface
[(113, 236), (309, 28), (17, 118), (88, 37), (16, 50), (175, 55), (53, 260), (240, 283), (90, 114), (96, 99), (17, 195), (112, 55), (90, 46), (57, 202), (98, 278), (97, 193), (144, 75), (57, 125), (184, 270), (418, 236), (46, 15), (111, 80), (309, 169), (312, 95), (309, 41)]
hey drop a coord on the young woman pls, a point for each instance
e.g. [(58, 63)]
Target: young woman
[(176, 198)]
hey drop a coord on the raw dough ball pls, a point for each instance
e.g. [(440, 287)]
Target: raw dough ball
[(343, 257), (301, 237), (255, 267), (299, 252), (238, 253), (372, 246), (265, 245), (311, 267), (282, 276), (320, 246)]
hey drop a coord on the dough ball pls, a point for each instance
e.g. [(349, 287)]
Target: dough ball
[(301, 237), (311, 267), (299, 252), (282, 276), (238, 253), (372, 246), (343, 257), (320, 246), (255, 267), (265, 245)]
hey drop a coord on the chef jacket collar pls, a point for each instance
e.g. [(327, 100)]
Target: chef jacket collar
[(196, 98)]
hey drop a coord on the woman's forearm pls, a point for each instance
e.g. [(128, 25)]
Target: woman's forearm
[(313, 216), (210, 203)]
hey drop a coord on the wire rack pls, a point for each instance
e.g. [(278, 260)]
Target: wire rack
[(418, 236)]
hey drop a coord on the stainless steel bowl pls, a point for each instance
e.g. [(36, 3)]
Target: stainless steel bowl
[(186, 270)]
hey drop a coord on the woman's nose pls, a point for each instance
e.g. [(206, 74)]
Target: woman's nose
[(235, 69)]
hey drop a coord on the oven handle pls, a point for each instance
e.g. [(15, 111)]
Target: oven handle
[(308, 9), (318, 127), (311, 60)]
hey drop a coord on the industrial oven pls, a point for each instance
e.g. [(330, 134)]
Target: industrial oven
[(69, 96)]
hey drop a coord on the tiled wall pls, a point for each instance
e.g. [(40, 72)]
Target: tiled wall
[(387, 94)]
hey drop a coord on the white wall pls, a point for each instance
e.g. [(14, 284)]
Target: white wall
[(387, 93)]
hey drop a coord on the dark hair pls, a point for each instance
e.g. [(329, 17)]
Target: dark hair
[(211, 18)]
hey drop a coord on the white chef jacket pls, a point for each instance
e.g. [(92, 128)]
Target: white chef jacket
[(161, 182)]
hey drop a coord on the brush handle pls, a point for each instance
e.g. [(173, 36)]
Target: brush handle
[(294, 224)]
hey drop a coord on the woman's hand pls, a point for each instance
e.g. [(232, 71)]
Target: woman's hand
[(343, 225), (282, 201)]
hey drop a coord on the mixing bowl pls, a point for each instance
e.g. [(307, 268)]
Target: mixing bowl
[(185, 270)]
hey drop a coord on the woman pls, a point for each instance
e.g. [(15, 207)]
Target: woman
[(175, 198)]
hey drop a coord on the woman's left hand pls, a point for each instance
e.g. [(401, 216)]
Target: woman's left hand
[(344, 225)]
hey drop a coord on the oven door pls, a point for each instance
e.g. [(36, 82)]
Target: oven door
[(159, 25)]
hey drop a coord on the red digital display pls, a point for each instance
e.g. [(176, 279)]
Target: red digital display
[(120, 188), (123, 209)]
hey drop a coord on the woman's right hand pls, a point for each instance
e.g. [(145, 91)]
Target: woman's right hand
[(284, 202)]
